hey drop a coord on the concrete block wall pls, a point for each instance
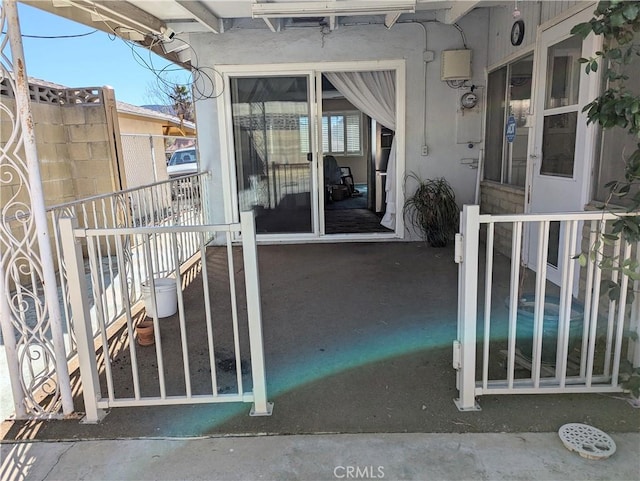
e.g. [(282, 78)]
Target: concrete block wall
[(74, 152), (89, 149), (500, 199), (73, 149), (50, 143)]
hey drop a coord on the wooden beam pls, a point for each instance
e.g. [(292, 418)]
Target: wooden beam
[(129, 14), (274, 24), (333, 22), (202, 14), (391, 18), (81, 11), (187, 27), (459, 10)]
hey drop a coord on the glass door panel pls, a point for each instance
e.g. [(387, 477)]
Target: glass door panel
[(563, 73), (271, 134), (519, 106), (559, 144)]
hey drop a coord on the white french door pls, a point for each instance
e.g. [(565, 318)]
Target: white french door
[(563, 145)]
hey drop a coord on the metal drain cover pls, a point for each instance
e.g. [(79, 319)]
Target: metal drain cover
[(587, 441)]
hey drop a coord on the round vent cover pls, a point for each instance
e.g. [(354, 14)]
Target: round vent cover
[(587, 441)]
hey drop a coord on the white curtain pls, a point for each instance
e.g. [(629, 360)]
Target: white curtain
[(374, 93)]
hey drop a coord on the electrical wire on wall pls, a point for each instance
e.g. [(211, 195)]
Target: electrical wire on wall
[(464, 38), (456, 84), (424, 105)]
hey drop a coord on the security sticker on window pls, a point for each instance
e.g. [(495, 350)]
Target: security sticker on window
[(510, 129)]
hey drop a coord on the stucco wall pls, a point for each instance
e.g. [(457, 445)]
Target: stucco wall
[(137, 153), (138, 125), (348, 44)]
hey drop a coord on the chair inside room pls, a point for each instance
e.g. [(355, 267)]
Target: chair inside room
[(347, 179), (336, 186)]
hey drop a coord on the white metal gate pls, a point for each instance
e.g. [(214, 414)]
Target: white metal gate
[(158, 248), (535, 337)]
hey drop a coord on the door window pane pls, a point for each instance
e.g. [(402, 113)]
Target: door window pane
[(559, 144), (511, 86), (495, 125), (271, 139), (520, 74), (563, 73)]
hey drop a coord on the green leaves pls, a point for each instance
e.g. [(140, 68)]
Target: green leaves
[(582, 260), (582, 29), (617, 106), (631, 10)]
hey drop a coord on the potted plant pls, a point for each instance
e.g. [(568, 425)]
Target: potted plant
[(145, 333), (432, 210)]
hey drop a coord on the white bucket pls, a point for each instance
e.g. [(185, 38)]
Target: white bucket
[(166, 297)]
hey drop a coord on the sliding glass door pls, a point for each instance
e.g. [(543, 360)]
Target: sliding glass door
[(272, 140), (304, 155)]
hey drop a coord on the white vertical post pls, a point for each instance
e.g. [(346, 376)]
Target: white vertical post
[(154, 167), (467, 308), (633, 353), (78, 297), (37, 204), (254, 313)]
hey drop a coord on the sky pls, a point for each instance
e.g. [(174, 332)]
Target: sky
[(94, 60)]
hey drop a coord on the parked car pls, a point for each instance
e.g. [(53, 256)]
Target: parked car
[(183, 162)]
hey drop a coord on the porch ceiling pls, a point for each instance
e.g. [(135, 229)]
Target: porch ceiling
[(164, 25)]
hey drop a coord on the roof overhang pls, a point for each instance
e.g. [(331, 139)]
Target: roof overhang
[(160, 25)]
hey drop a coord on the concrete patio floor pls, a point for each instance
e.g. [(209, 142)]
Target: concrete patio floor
[(357, 340)]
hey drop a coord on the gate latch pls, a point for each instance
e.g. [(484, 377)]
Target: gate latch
[(457, 364), (457, 256)]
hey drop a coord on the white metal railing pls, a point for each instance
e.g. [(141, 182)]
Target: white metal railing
[(528, 335), (97, 355), (169, 203)]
